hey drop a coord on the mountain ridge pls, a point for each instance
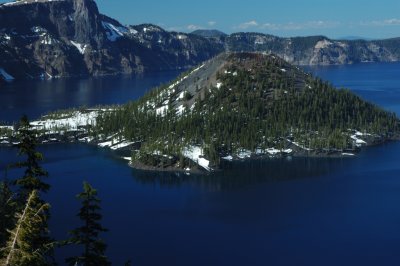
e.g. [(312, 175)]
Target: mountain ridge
[(72, 38)]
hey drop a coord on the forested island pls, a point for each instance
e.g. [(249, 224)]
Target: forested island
[(234, 106), (242, 105)]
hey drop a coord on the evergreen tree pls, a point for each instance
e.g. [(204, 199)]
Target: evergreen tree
[(7, 210), (266, 102), (88, 234), (29, 244), (31, 180)]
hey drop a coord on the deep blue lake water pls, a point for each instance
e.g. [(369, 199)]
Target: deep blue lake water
[(35, 98), (299, 211)]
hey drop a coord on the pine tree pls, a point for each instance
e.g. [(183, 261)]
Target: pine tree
[(7, 210), (31, 179), (88, 234), (29, 244)]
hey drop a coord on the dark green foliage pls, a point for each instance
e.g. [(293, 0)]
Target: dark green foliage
[(261, 104), (87, 235), (5, 132), (29, 243), (7, 211), (32, 178), (305, 43)]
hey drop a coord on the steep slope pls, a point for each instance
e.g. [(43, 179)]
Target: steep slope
[(317, 50), (70, 37), (244, 104), (45, 39)]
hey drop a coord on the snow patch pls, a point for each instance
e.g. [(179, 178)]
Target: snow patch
[(299, 145), (122, 145), (162, 110), (182, 37), (106, 144), (7, 37), (227, 158), (185, 77), (113, 32), (48, 40), (323, 44), (81, 47), (359, 142), (180, 110), (7, 127), (273, 151), (243, 154), (28, 2), (171, 89), (195, 154), (5, 75), (70, 122)]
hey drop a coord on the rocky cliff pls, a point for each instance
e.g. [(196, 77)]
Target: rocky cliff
[(46, 39), (317, 50), (53, 38)]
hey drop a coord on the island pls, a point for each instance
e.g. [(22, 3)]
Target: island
[(234, 106)]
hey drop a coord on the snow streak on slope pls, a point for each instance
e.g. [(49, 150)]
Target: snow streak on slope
[(113, 32)]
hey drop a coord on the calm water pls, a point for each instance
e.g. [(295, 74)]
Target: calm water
[(279, 212), (36, 98), (378, 83)]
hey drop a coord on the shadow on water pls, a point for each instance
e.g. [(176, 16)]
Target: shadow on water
[(239, 174)]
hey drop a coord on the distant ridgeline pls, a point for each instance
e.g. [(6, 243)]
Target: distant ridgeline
[(49, 39), (245, 104)]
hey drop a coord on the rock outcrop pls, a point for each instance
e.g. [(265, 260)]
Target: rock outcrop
[(61, 38)]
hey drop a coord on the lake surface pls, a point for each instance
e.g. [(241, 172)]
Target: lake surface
[(35, 98), (292, 211)]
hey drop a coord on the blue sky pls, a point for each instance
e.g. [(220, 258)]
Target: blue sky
[(333, 18)]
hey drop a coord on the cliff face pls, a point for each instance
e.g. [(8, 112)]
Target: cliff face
[(317, 50), (44, 39), (71, 38)]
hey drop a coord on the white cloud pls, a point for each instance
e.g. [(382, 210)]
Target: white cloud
[(291, 26), (382, 23), (193, 27), (249, 24)]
